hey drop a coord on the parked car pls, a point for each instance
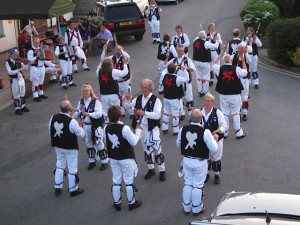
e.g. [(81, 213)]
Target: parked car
[(241, 208), (142, 5), (174, 1), (122, 18)]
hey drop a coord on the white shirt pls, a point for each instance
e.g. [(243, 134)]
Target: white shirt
[(31, 57), (207, 137), (179, 60), (13, 72), (116, 74), (76, 38), (221, 119), (152, 10), (185, 38), (239, 71), (123, 53)]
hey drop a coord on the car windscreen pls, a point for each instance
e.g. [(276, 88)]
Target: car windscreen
[(121, 13)]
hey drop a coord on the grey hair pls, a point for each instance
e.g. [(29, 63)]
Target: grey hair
[(202, 34), (210, 96), (150, 83)]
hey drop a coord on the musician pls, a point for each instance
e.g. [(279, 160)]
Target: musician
[(14, 70), (173, 92), (183, 60), (108, 78), (24, 43), (105, 36), (255, 43), (73, 38), (153, 14), (124, 83), (51, 67), (65, 61), (236, 60), (162, 50), (229, 87), (89, 110), (213, 119), (180, 38), (37, 70), (202, 58), (213, 37), (232, 44), (148, 112)]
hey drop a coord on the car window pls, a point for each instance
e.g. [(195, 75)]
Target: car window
[(117, 13)]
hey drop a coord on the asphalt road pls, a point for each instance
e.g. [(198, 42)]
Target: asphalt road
[(267, 160)]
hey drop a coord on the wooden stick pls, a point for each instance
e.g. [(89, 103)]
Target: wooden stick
[(115, 38), (257, 28)]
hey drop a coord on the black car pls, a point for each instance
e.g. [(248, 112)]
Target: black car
[(122, 18)]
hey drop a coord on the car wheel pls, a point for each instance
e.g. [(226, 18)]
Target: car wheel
[(138, 37)]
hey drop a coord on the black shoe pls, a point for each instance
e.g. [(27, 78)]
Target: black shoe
[(160, 92), (76, 71), (153, 42), (25, 109), (18, 112), (53, 81), (186, 213), (197, 214), (117, 207), (207, 178), (91, 165), (182, 117), (256, 86), (103, 166), (37, 100), (217, 179), (201, 95), (157, 42), (134, 205), (131, 117), (175, 134), (150, 174), (109, 50), (57, 191), (123, 115), (43, 97), (165, 131), (162, 176), (77, 192), (73, 85), (245, 117), (211, 83), (65, 87), (240, 137), (87, 69)]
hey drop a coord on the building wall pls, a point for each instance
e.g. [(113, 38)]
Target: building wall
[(9, 40)]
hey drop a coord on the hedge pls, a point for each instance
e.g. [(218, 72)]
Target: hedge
[(259, 11), (284, 36), (286, 7)]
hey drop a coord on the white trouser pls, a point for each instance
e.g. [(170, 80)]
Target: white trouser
[(66, 70), (52, 70), (18, 92), (253, 68), (245, 92), (203, 76), (155, 29), (108, 101), (80, 54), (171, 107), (37, 76), (188, 95), (194, 172), (70, 157), (123, 89), (129, 170), (161, 67), (231, 105), (218, 154), (151, 144)]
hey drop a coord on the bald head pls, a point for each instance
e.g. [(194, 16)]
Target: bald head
[(196, 116), (227, 58), (65, 106)]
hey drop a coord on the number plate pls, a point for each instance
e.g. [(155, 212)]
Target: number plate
[(126, 23)]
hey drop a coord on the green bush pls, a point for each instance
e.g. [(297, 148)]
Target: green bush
[(296, 57), (285, 7), (284, 36), (257, 12)]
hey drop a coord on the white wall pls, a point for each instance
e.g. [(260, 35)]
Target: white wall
[(10, 39)]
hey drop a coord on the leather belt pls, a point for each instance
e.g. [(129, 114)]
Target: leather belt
[(190, 157)]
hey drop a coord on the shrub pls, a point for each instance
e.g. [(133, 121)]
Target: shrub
[(285, 7), (259, 11), (284, 36), (295, 57)]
